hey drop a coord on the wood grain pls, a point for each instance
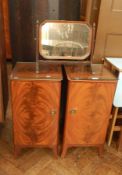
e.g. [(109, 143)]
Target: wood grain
[(33, 103), (1, 101), (3, 71), (83, 161), (7, 29), (92, 103), (83, 6)]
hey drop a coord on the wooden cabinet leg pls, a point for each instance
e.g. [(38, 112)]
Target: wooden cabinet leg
[(55, 151), (100, 150), (17, 151), (64, 151)]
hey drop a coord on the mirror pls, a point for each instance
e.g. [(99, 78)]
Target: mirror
[(65, 40)]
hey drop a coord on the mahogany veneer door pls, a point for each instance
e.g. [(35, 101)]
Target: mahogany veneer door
[(35, 113), (87, 115)]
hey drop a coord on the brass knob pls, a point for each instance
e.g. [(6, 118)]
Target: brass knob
[(73, 111), (53, 112)]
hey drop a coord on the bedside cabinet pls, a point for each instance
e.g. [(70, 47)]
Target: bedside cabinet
[(36, 106), (89, 101)]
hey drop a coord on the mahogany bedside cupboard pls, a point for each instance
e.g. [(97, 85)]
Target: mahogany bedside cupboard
[(89, 101), (36, 106)]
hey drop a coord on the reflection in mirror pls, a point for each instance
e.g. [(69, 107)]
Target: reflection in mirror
[(65, 40)]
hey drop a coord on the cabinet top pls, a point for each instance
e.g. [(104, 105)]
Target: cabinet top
[(87, 72), (27, 71)]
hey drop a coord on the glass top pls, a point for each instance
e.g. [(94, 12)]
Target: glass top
[(66, 40), (89, 72), (27, 71)]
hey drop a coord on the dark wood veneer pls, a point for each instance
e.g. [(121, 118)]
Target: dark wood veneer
[(3, 71)]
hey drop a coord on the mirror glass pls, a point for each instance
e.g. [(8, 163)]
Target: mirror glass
[(65, 40)]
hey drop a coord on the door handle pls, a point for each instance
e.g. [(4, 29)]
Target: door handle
[(73, 111), (53, 112)]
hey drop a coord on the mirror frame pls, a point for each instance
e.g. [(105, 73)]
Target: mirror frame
[(65, 57)]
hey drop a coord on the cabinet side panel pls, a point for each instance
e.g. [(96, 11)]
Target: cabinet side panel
[(92, 104), (1, 100), (3, 70), (33, 104), (7, 29)]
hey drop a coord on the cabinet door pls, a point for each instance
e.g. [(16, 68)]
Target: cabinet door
[(35, 112), (88, 110)]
